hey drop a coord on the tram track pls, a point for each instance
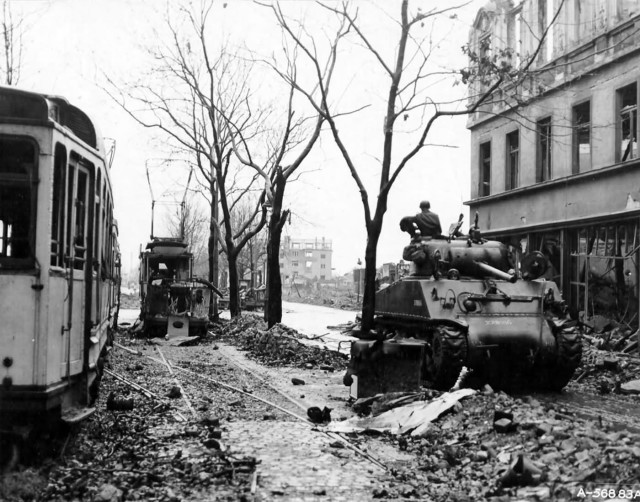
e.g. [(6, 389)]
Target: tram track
[(332, 435)]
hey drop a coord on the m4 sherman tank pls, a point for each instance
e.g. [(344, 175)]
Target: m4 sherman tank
[(465, 306)]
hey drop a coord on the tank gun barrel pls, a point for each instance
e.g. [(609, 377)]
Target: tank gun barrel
[(498, 274)]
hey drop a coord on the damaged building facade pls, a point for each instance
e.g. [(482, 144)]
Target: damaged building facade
[(555, 165)]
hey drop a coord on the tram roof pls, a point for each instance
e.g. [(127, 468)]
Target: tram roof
[(18, 104)]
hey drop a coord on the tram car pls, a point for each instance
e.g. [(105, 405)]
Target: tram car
[(59, 260), (173, 303)]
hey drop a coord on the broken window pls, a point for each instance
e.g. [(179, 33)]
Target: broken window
[(17, 201), (581, 138), (627, 122), (513, 160), (485, 170), (544, 150), (605, 271)]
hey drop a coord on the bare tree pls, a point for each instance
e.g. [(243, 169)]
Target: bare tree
[(409, 74), (200, 99), (189, 221), (12, 31), (280, 154)]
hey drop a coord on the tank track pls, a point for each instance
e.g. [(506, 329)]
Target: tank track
[(447, 356), (568, 357)]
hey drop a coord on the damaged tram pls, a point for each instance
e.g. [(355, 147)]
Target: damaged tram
[(59, 262), (173, 302)]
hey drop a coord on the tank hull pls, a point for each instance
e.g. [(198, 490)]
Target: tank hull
[(505, 332)]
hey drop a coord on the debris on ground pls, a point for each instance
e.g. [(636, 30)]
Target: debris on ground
[(278, 346), (413, 418)]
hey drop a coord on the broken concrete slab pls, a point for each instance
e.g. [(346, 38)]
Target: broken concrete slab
[(412, 418), (632, 387)]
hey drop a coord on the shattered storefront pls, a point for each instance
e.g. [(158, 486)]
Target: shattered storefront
[(588, 230), (596, 266)]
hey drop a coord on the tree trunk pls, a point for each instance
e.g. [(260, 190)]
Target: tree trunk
[(368, 297), (234, 290), (213, 250), (273, 307)]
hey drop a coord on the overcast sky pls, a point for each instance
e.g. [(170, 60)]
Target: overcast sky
[(71, 43)]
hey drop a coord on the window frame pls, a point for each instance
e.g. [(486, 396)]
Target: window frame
[(629, 152), (30, 181), (484, 177), (512, 173), (544, 150), (576, 128)]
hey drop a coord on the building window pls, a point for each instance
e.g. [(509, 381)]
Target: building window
[(626, 8), (322, 265), (485, 170), (513, 160), (544, 150), (282, 265), (514, 35), (294, 263), (308, 254), (545, 15), (308, 264), (294, 253), (323, 256), (581, 137), (628, 122)]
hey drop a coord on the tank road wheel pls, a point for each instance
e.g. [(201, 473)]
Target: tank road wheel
[(568, 356), (448, 355)]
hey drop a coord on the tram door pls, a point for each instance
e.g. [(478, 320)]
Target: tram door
[(76, 246)]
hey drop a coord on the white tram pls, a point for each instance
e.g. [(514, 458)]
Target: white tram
[(59, 260)]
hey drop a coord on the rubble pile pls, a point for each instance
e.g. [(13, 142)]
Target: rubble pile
[(492, 446), (152, 446), (610, 361), (279, 346)]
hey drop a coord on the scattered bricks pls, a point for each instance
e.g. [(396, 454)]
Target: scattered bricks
[(327, 368), (500, 414), (611, 363), (487, 389), (543, 428), (212, 443), (504, 425), (191, 431), (337, 444), (481, 456), (308, 366), (545, 440), (174, 392), (210, 421), (215, 434), (268, 416), (297, 381)]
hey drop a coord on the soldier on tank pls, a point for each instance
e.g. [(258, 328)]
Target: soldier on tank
[(428, 222)]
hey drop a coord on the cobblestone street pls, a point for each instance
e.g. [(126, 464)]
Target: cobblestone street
[(299, 463)]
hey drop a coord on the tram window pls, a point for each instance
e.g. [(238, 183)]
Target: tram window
[(57, 212), (81, 220), (17, 201)]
